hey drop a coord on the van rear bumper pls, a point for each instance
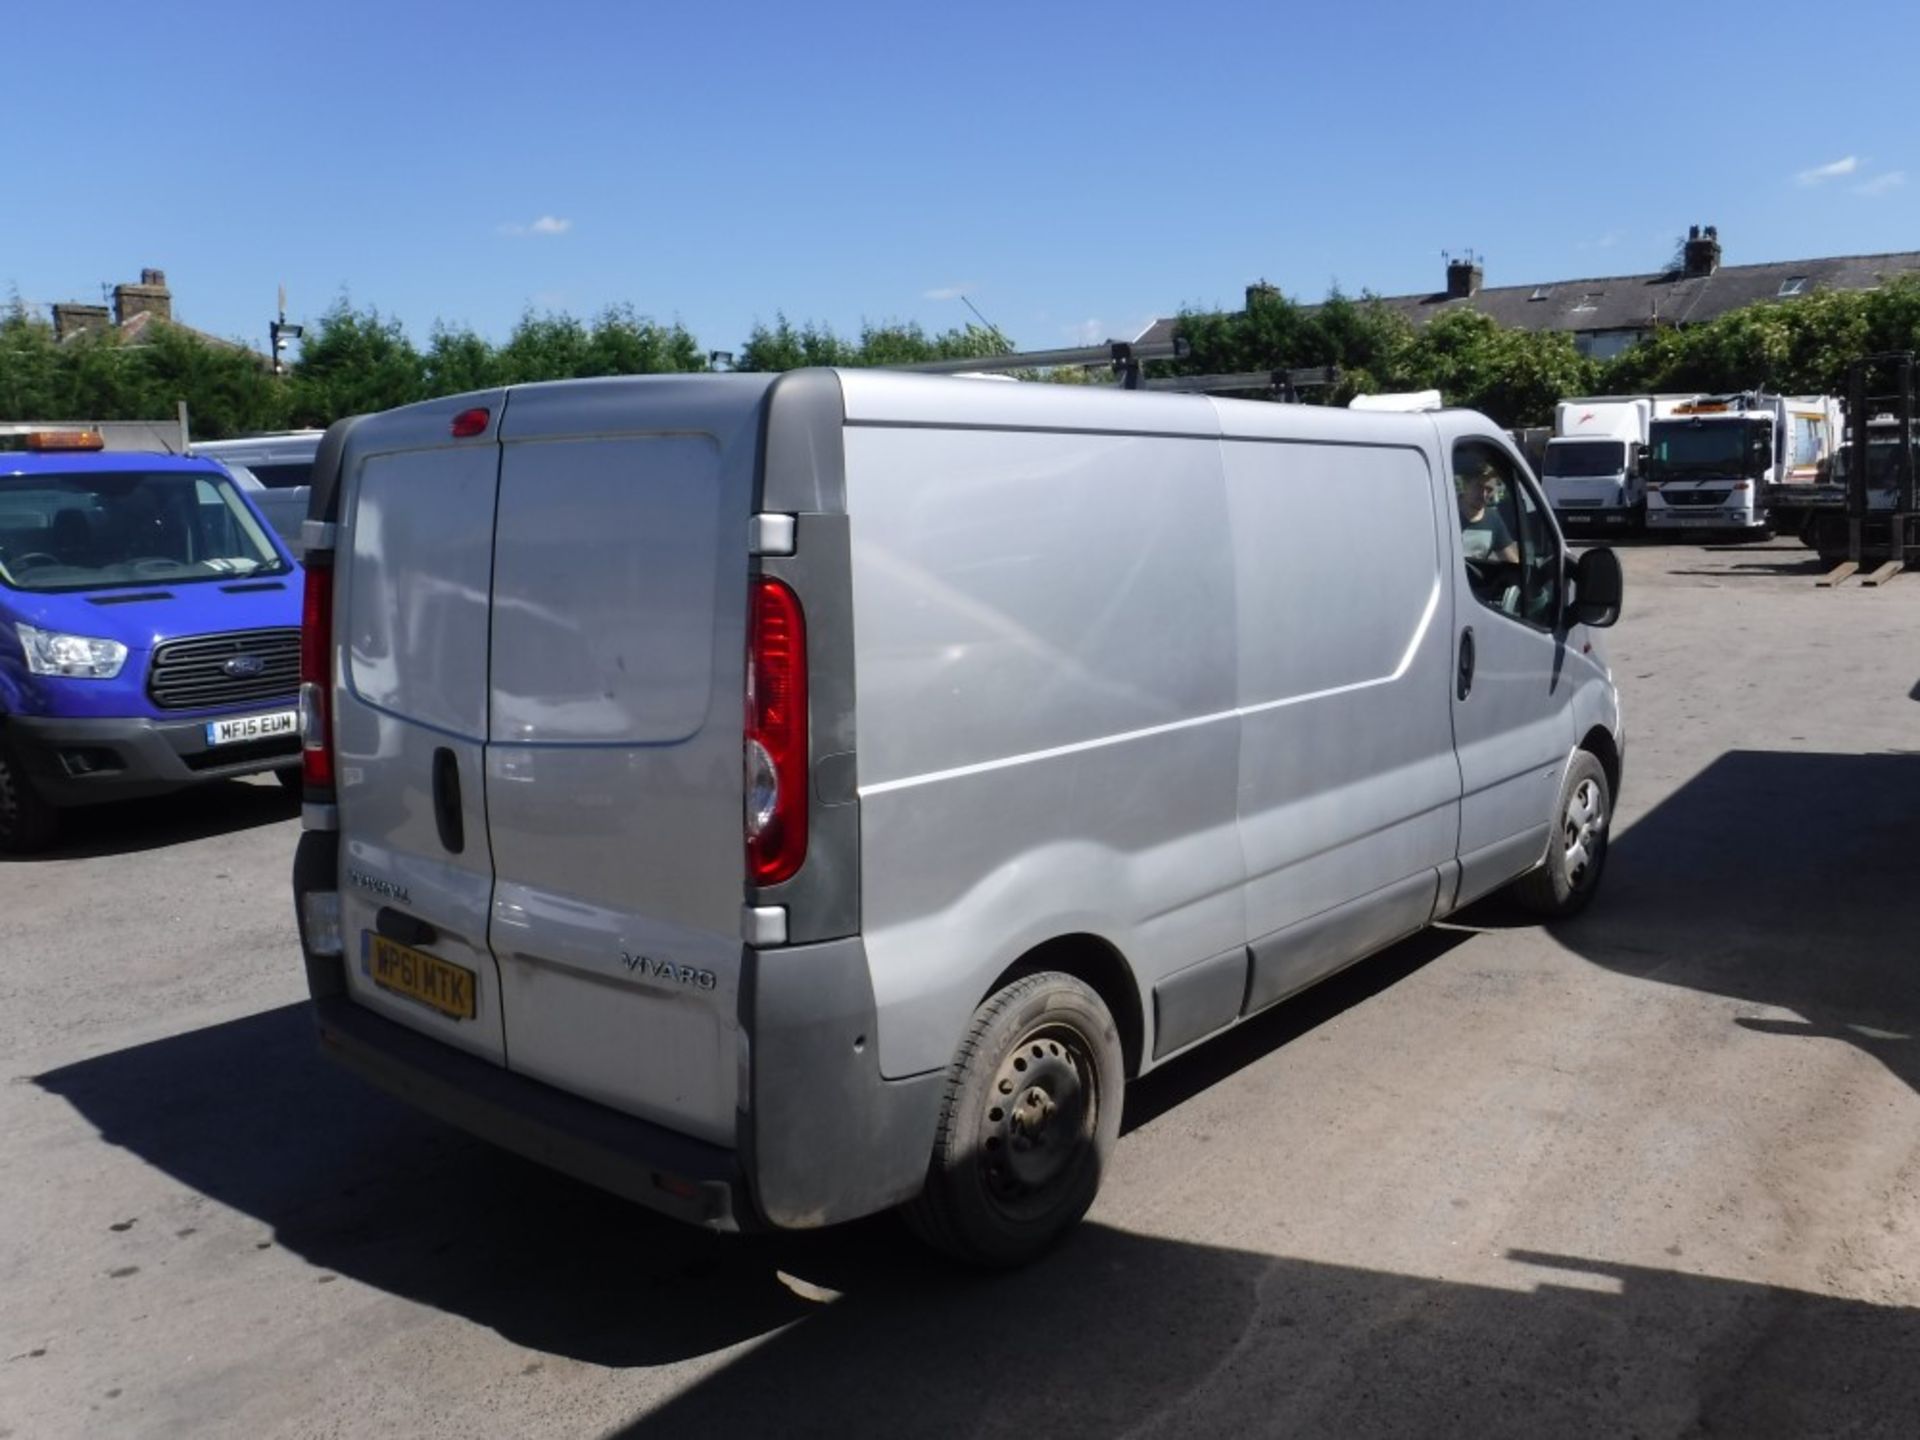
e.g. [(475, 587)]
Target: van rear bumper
[(684, 1178), (81, 761)]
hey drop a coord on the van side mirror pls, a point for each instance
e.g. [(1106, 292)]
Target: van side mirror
[(1640, 463), (1597, 587)]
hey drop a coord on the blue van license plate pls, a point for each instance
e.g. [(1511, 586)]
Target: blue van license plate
[(253, 727)]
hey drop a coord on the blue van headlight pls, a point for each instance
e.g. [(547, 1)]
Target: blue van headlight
[(79, 656)]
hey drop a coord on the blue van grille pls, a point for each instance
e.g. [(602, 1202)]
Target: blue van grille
[(195, 674)]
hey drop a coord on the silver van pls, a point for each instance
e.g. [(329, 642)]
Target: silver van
[(775, 799)]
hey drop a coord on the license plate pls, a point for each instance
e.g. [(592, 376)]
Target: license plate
[(438, 984), (253, 727)]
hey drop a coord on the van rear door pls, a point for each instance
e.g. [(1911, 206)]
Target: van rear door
[(413, 570), (614, 787)]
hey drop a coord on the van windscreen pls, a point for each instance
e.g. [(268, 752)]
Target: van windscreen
[(92, 530), (1573, 459)]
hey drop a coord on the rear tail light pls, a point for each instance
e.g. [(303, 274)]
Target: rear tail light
[(316, 679), (776, 733)]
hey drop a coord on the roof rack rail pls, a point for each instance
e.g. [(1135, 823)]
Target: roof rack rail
[(1124, 356), (1284, 385)]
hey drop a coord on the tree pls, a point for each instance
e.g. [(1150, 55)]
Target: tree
[(355, 362), (458, 360), (1365, 339), (228, 389), (1514, 377), (785, 347)]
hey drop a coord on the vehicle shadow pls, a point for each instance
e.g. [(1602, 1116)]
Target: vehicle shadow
[(862, 1332), (127, 827), (1758, 570), (250, 1114), (1780, 878), (1177, 1082), (1120, 1333)]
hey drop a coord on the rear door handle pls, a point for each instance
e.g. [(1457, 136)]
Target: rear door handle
[(447, 813), (1465, 686)]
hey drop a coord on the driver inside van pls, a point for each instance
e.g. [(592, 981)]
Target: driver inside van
[(1483, 531)]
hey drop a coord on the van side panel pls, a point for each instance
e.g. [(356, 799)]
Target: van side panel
[(614, 773), (1045, 631), (411, 587), (1349, 790)]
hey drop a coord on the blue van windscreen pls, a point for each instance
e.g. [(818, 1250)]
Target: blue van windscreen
[(99, 530)]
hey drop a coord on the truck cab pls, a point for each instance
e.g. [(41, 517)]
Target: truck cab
[(1710, 461), (149, 632), (1595, 466)]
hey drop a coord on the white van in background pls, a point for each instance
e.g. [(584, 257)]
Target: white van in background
[(1595, 466), (275, 470), (779, 798)]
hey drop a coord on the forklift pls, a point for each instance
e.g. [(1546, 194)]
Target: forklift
[(1876, 524)]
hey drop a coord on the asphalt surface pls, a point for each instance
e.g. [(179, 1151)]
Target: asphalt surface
[(1654, 1174)]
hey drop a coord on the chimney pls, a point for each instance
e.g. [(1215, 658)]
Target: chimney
[(72, 319), (149, 297), (1261, 293), (1700, 256), (1463, 278)]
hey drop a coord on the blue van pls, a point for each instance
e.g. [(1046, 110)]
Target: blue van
[(149, 633)]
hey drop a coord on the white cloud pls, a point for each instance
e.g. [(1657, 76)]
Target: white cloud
[(1820, 174), (1087, 332), (944, 292), (545, 225), (1883, 182)]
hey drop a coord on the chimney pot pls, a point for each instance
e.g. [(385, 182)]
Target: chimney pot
[(1463, 278), (74, 319), (1261, 292), (149, 297), (1700, 256)]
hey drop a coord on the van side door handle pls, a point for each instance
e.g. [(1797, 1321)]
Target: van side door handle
[(448, 816), (1465, 686)]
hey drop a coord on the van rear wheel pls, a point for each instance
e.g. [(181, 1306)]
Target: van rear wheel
[(1577, 851), (27, 821), (1029, 1119)]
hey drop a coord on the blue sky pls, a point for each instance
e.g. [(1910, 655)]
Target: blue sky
[(1075, 170)]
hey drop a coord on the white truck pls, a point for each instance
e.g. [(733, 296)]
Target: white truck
[(1713, 460), (1595, 467)]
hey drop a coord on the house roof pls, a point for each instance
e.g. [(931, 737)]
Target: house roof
[(1636, 302), (133, 331)]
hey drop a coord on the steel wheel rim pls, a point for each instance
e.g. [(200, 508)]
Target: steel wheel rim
[(1039, 1118), (1584, 830)]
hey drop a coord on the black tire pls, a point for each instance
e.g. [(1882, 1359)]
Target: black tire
[(1577, 849), (290, 778), (27, 821), (1028, 1122)]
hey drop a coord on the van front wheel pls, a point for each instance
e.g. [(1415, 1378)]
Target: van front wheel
[(27, 821), (1029, 1119), (1577, 849)]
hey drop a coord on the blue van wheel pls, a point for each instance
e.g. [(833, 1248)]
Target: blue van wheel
[(27, 821)]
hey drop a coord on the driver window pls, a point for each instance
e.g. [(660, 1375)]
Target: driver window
[(1512, 552), (1489, 525)]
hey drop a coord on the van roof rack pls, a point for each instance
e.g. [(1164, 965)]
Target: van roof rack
[(1125, 359)]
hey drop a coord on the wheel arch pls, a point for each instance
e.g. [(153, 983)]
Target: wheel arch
[(1098, 964), (1599, 743)]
